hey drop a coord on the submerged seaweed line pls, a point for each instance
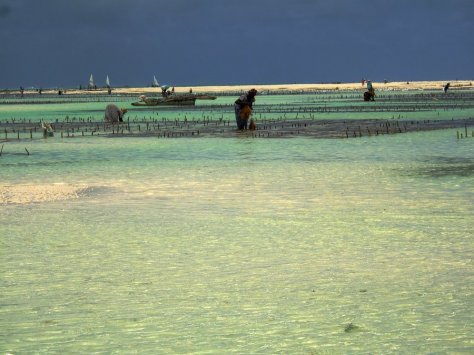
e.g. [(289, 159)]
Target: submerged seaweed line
[(266, 128)]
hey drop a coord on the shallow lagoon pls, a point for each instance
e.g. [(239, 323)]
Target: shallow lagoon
[(240, 245)]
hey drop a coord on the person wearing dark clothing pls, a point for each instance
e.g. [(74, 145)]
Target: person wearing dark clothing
[(446, 87), (369, 95), (242, 106)]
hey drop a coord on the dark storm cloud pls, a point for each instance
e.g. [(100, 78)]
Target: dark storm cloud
[(196, 42), (4, 10)]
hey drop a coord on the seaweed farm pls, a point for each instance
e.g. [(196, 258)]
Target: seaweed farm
[(338, 226), (318, 115)]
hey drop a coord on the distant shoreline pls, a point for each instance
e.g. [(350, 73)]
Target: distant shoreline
[(398, 85)]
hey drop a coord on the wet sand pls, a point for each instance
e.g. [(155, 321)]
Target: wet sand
[(26, 194)]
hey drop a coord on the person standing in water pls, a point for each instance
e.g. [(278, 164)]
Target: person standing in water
[(243, 108)]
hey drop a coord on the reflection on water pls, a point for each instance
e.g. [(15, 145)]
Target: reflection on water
[(244, 246)]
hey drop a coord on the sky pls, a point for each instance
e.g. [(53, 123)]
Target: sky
[(60, 43)]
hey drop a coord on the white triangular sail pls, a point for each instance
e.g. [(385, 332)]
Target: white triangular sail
[(91, 81), (107, 81), (155, 82)]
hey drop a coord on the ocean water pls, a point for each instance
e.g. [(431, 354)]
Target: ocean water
[(240, 245), (397, 105)]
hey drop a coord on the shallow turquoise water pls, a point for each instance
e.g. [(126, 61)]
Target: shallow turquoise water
[(292, 106), (241, 246)]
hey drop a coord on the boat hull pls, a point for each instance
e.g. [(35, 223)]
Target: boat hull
[(173, 100), (164, 102)]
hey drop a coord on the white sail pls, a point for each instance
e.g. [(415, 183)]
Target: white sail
[(155, 82), (107, 81), (91, 81)]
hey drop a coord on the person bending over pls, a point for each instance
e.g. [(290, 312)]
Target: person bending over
[(243, 108), (113, 114)]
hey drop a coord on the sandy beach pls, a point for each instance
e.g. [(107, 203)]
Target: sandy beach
[(396, 85), (415, 85)]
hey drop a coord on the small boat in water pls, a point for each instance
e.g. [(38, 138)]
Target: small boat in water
[(174, 100), (171, 99)]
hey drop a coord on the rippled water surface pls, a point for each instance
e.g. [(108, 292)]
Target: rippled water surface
[(240, 245)]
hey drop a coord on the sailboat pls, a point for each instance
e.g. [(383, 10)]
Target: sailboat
[(107, 81), (155, 82), (91, 86)]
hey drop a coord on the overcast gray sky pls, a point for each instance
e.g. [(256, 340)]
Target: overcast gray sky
[(49, 43)]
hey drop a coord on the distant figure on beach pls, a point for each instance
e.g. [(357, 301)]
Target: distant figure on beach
[(113, 114), (243, 108), (370, 88), (446, 87), (369, 95)]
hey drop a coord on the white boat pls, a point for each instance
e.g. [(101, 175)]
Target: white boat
[(92, 85)]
